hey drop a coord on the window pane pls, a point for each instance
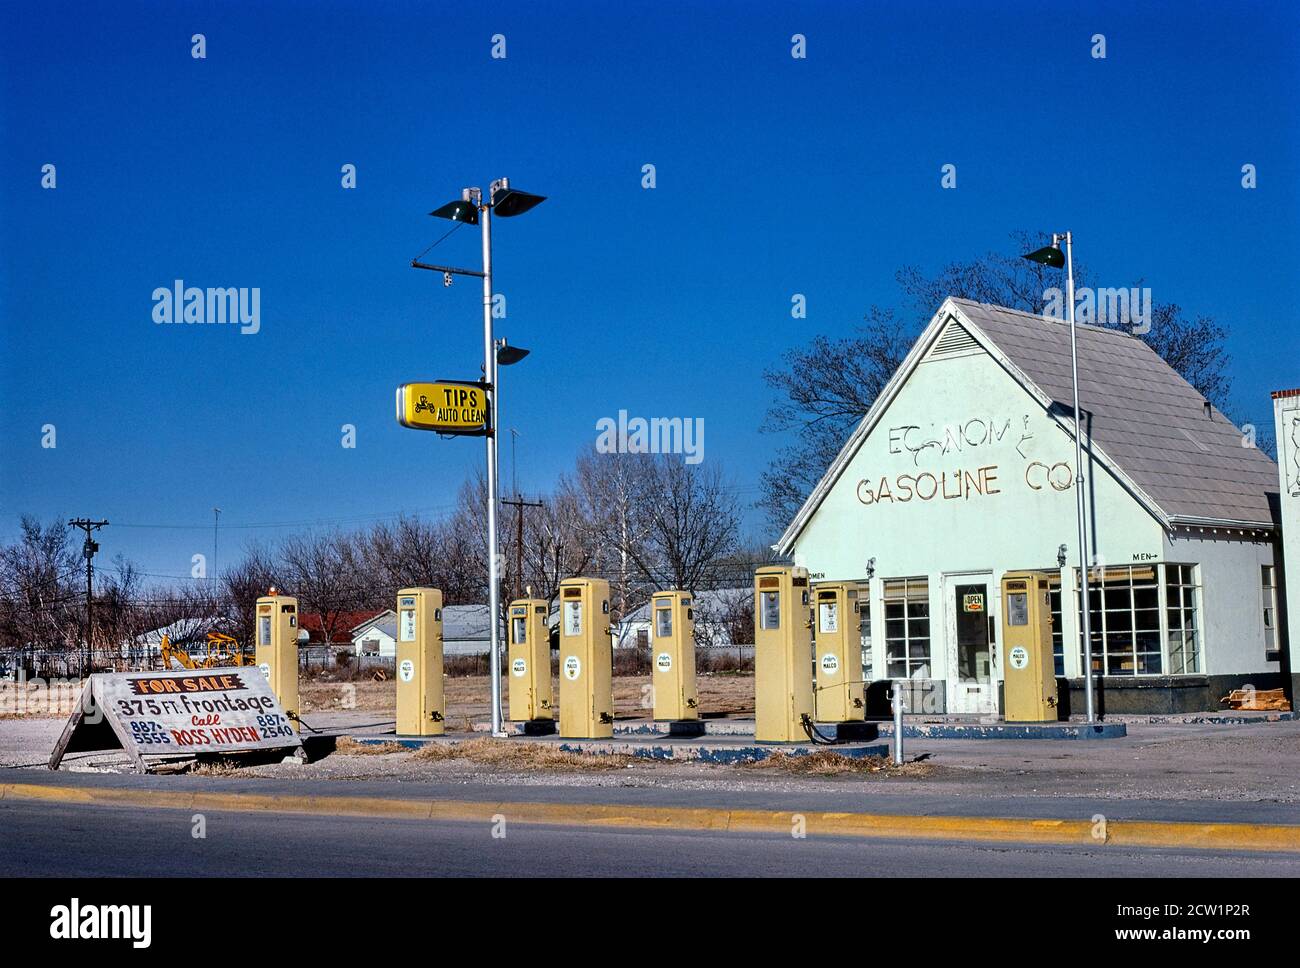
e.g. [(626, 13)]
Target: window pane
[(1117, 598), (1149, 663), (1181, 642)]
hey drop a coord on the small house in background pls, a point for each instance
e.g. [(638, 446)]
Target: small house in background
[(724, 619), (313, 624), (465, 631)]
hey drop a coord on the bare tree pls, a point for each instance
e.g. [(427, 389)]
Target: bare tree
[(558, 543), (118, 615), (692, 522), (43, 608), (417, 553), (242, 585), (612, 495), (325, 573)]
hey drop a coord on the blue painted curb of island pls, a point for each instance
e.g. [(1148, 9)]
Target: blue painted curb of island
[(695, 753), (1057, 731), (1009, 731), (724, 755)]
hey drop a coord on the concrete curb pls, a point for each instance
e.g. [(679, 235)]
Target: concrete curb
[(1041, 731), (681, 750), (1045, 731), (1080, 833)]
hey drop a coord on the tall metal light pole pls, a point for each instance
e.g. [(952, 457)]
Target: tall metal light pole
[(1051, 256), (473, 207)]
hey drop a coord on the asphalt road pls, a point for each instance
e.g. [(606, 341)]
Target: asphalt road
[(55, 839)]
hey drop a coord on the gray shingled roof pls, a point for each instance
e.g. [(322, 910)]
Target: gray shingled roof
[(709, 603), (1145, 417)]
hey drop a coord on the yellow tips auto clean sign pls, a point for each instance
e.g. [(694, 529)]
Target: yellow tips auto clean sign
[(448, 407)]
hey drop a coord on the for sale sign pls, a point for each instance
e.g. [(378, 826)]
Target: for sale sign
[(171, 714)]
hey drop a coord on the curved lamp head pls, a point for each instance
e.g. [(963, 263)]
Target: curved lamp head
[(1048, 255), (509, 355), (508, 202), (458, 211)]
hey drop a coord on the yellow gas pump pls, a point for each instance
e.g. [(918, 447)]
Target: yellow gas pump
[(783, 682), (841, 693), (1029, 677), (672, 654), (276, 636), (586, 660), (420, 708), (531, 692)]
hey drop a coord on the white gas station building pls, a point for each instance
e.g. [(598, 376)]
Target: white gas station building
[(963, 471)]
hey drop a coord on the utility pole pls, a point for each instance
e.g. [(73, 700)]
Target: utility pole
[(216, 520), (514, 465), (519, 506), (88, 550)]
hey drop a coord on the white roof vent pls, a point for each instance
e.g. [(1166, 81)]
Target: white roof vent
[(955, 340)]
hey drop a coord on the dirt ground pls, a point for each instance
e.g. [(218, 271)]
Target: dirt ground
[(722, 694), (1161, 758)]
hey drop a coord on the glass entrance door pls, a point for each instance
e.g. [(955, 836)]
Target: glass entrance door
[(972, 684)]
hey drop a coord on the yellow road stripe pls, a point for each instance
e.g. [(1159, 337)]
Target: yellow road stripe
[(1125, 833)]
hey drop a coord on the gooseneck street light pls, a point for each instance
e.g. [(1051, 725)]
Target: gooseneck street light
[(1051, 255), (471, 208)]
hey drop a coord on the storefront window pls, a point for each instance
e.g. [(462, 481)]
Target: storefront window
[(864, 630), (1184, 622), (1124, 614), (907, 628), (1058, 638)]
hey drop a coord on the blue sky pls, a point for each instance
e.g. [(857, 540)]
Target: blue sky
[(775, 176)]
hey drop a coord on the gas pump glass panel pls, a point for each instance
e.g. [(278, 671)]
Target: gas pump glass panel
[(770, 610), (1018, 608), (518, 630), (828, 617), (573, 618), (663, 622)]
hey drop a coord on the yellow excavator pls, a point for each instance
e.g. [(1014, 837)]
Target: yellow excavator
[(223, 650)]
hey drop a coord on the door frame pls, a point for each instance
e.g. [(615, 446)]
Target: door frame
[(984, 701)]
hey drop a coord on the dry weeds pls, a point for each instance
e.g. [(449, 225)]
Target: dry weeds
[(830, 763), (513, 754), (347, 746)]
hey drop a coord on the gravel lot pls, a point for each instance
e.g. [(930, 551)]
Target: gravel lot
[(1158, 760)]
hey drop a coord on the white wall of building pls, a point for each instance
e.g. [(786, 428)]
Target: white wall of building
[(996, 511), (1232, 598), (1286, 414)]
